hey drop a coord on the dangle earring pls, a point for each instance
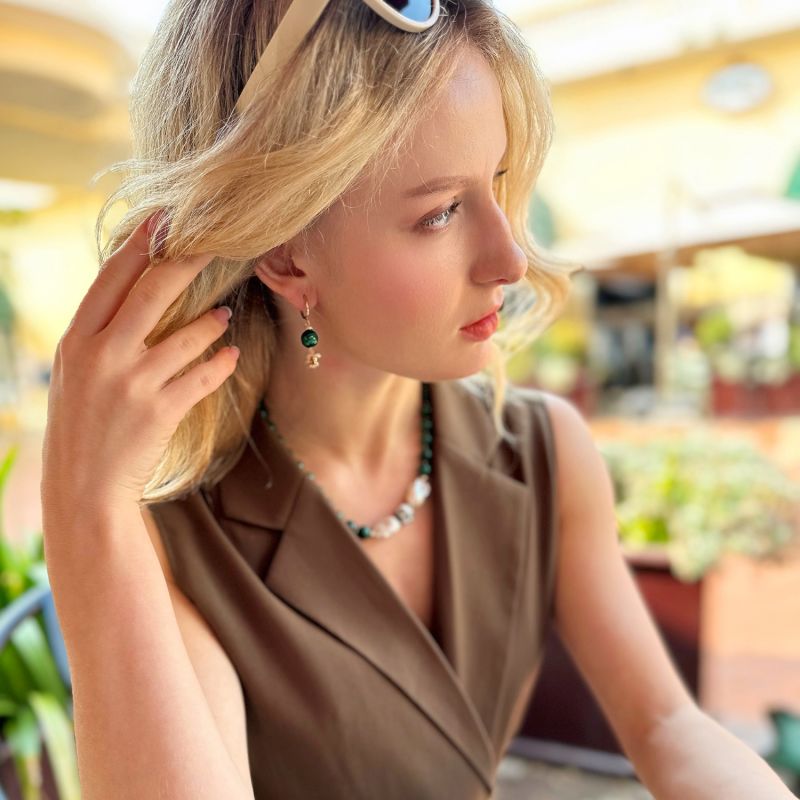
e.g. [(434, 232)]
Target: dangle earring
[(309, 337)]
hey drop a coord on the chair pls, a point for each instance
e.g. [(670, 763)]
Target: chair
[(35, 599)]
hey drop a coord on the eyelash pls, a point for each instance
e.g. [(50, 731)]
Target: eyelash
[(428, 223)]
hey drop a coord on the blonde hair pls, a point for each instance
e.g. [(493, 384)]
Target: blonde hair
[(242, 185)]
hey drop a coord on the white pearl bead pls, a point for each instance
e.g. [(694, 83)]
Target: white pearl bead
[(405, 512), (386, 527), (418, 491)]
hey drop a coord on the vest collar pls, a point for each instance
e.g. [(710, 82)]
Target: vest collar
[(482, 521)]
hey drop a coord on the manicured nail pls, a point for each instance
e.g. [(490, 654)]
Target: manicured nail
[(223, 313)]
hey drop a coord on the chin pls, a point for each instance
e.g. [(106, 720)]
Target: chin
[(467, 366)]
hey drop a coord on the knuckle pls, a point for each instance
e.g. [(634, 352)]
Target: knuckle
[(186, 343), (67, 342), (207, 380), (153, 413), (148, 292), (128, 386)]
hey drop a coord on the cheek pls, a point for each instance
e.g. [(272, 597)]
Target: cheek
[(411, 293)]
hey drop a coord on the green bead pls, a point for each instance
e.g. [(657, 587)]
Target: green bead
[(364, 532), (309, 337), (427, 423), (426, 469), (427, 437), (427, 452)]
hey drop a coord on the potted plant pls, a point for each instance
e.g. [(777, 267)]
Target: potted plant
[(682, 505), (37, 746), (558, 361), (697, 498)]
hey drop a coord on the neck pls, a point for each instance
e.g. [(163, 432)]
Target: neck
[(352, 417)]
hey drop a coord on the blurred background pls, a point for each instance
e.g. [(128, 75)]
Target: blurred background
[(674, 177)]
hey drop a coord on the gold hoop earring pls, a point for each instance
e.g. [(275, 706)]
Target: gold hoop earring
[(309, 338)]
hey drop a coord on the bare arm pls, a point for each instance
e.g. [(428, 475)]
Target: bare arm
[(678, 751), (690, 755), (143, 726)]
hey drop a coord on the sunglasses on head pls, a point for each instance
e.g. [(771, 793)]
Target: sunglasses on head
[(413, 16)]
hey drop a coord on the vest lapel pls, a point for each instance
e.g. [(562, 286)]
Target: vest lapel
[(481, 517)]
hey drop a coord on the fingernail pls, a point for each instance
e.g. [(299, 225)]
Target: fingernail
[(223, 313)]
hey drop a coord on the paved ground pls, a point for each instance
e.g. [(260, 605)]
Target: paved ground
[(522, 779)]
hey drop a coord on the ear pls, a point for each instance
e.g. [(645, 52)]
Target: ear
[(278, 270)]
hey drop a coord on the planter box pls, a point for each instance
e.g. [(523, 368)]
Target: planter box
[(562, 709), (754, 400)]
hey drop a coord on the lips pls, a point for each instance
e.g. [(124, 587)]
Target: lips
[(489, 313)]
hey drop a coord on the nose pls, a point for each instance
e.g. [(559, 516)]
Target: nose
[(502, 260)]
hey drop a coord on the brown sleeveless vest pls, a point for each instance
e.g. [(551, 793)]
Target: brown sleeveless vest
[(348, 695)]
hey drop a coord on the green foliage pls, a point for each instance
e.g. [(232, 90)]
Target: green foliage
[(700, 498), (35, 704), (794, 347), (714, 329)]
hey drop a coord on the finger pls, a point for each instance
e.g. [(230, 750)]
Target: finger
[(117, 276), (164, 360), (185, 392), (151, 297)]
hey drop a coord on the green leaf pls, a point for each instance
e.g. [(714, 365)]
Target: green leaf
[(34, 650), (59, 739), (6, 464), (17, 679), (8, 706), (22, 734)]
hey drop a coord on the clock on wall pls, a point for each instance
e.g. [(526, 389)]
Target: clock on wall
[(738, 87)]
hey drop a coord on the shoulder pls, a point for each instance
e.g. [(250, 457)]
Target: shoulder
[(578, 465)]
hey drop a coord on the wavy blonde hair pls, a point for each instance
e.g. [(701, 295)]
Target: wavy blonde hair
[(242, 185)]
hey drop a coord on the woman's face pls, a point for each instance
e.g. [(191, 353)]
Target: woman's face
[(392, 283)]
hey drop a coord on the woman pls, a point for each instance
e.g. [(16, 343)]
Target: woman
[(326, 567)]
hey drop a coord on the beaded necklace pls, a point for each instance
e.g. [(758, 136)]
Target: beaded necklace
[(416, 494)]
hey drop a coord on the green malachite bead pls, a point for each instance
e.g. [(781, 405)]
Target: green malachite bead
[(309, 337)]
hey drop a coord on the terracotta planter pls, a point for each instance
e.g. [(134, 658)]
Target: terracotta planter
[(732, 399), (562, 708), (783, 398)]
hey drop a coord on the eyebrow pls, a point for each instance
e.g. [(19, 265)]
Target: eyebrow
[(438, 185), (443, 183)]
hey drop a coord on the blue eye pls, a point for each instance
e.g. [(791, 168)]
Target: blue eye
[(444, 216), (433, 223)]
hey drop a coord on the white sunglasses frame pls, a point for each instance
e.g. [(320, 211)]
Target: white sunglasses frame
[(297, 22)]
